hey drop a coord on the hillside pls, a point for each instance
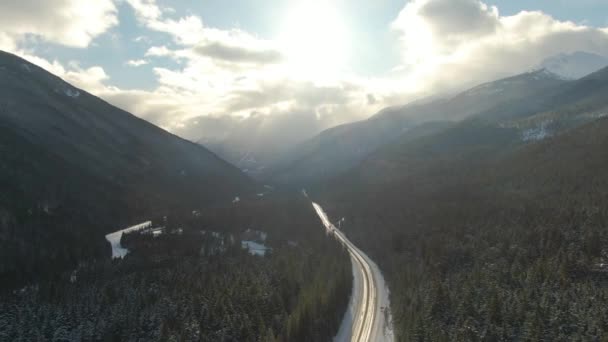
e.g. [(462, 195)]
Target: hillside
[(338, 149), (574, 65), (478, 226), (74, 167)]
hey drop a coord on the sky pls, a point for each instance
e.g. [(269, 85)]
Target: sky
[(283, 70)]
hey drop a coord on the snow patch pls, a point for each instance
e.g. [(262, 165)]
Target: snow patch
[(536, 134), (156, 232), (237, 199), (114, 239), (255, 248), (574, 65), (72, 93)]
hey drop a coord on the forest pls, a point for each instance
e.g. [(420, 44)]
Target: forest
[(195, 282), (489, 246)]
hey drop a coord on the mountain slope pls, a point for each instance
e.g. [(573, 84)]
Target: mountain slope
[(488, 135), (73, 167), (476, 225), (574, 65), (338, 149)]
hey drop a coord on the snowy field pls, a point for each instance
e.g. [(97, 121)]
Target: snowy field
[(114, 239)]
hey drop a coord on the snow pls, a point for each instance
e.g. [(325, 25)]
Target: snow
[(255, 248), (574, 65), (73, 277), (72, 93), (601, 115), (381, 322), (237, 199), (537, 133), (347, 325), (114, 239)]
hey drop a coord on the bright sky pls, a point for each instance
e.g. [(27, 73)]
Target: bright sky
[(328, 61)]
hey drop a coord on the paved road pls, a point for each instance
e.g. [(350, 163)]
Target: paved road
[(368, 317)]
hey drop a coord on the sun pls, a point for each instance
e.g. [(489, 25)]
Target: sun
[(315, 39)]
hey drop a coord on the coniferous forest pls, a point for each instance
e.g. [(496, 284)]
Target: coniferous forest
[(483, 248), (303, 171), (195, 282)]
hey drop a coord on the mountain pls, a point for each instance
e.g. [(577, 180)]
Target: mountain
[(574, 65), (474, 222), (338, 149), (488, 135), (253, 142), (73, 167)]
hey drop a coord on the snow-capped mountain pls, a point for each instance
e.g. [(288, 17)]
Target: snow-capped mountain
[(574, 65)]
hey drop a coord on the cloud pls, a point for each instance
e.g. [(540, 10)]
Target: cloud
[(7, 43), (218, 50), (459, 18), (136, 62), (232, 84), (449, 44), (92, 78), (234, 74), (72, 23), (227, 47)]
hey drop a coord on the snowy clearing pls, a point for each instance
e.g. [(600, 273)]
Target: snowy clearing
[(72, 93), (114, 239), (255, 248)]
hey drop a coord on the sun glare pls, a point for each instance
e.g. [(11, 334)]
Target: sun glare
[(315, 39)]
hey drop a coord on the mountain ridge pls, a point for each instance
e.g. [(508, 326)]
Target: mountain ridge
[(337, 149), (74, 167)]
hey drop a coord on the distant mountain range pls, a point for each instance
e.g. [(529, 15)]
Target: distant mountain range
[(341, 148), (487, 210), (299, 157), (71, 165), (461, 148)]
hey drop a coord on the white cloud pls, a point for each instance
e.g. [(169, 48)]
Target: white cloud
[(232, 46), (448, 44), (7, 43), (68, 22), (237, 74), (136, 62), (92, 78)]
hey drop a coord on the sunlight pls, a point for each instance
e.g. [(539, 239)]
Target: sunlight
[(315, 39)]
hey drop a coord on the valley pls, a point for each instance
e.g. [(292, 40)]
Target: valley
[(368, 317), (477, 213)]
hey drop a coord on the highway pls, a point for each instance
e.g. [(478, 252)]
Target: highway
[(368, 316)]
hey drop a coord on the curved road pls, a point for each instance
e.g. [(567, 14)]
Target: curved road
[(368, 317)]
